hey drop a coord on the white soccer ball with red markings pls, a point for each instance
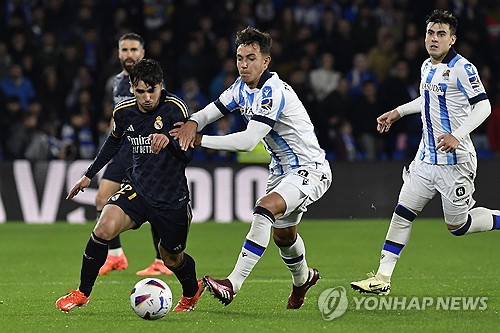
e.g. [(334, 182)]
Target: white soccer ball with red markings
[(151, 299)]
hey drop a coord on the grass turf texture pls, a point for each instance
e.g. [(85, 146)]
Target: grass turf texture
[(39, 263)]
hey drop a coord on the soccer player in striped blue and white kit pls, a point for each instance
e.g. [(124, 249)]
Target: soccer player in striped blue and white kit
[(452, 103), (299, 173)]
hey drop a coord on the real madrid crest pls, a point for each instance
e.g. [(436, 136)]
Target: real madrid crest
[(158, 123)]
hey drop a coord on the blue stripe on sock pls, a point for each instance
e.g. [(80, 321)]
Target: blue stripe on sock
[(496, 221), (293, 260), (393, 247), (405, 213), (463, 229), (253, 247)]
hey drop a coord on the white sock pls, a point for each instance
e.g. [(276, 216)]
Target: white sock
[(294, 257), (396, 239), (253, 248), (115, 252), (480, 219)]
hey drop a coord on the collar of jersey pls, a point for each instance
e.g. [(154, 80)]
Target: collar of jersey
[(263, 78), (449, 56)]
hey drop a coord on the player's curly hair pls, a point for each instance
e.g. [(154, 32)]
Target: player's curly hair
[(443, 16), (148, 71), (252, 35)]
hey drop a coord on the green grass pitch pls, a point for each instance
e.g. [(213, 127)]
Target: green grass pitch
[(39, 263)]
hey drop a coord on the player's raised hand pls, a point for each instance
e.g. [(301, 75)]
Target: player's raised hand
[(158, 142), (447, 143), (80, 185), (385, 121), (185, 133)]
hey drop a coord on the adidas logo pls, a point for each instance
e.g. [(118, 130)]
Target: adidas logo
[(130, 128)]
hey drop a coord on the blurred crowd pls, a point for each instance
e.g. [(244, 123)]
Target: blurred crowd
[(348, 60)]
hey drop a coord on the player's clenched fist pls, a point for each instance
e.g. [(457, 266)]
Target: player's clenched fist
[(158, 142)]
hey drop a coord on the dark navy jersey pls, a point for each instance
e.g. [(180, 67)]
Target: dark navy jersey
[(159, 178)]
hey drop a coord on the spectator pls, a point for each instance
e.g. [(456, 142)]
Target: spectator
[(5, 60), (344, 143), (364, 28), (366, 108), (359, 74), (77, 138), (17, 85), (20, 135), (44, 144), (191, 94), (396, 90), (325, 79), (381, 57), (11, 115)]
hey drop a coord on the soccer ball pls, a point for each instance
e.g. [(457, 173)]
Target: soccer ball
[(151, 299)]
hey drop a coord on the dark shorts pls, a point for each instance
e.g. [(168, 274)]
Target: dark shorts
[(171, 225), (116, 170)]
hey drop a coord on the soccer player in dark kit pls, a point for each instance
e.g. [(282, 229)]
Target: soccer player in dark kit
[(130, 51), (157, 192)]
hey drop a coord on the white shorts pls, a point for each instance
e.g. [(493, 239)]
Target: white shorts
[(455, 183), (299, 188)]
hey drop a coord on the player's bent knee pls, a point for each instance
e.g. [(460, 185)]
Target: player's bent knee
[(460, 227), (104, 231), (272, 202)]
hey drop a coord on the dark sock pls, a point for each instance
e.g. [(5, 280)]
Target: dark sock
[(115, 243), (186, 274), (93, 258), (156, 241)]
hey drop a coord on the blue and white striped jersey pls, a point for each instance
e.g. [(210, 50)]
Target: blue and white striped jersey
[(448, 91), (292, 142)]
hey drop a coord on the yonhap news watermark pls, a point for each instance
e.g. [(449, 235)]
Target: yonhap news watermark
[(334, 302)]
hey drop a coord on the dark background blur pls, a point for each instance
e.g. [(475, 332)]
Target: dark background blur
[(349, 61)]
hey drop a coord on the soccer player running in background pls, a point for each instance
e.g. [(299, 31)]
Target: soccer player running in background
[(130, 51), (299, 173), (452, 104), (157, 191)]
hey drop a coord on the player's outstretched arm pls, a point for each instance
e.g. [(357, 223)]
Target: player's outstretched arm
[(80, 185)]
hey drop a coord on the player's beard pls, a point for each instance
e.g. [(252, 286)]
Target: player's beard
[(126, 67)]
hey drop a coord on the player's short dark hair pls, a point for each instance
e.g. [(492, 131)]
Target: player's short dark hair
[(251, 35), (443, 16), (131, 36), (148, 71)]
